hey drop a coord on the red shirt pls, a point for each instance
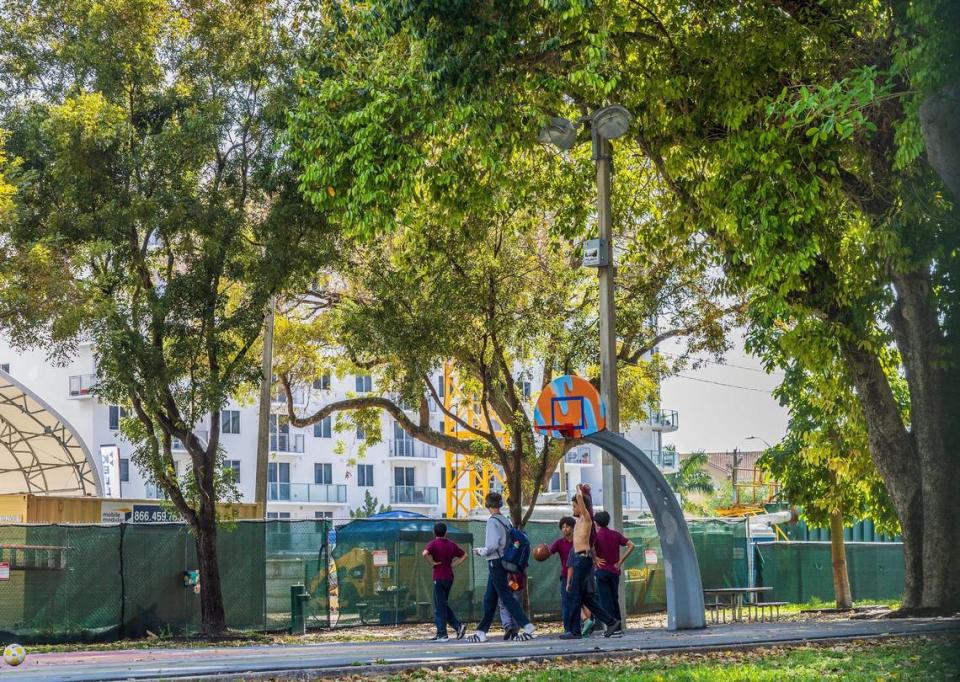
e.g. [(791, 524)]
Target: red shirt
[(607, 547), (562, 546), (444, 551)]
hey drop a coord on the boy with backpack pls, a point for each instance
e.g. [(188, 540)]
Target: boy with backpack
[(507, 550), (444, 555)]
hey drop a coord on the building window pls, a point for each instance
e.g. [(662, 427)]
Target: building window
[(323, 515), (443, 477), (278, 515), (116, 414), (525, 389), (623, 484), (555, 482), (233, 464), (278, 481), (403, 476), (323, 428), (365, 475), (323, 383), (323, 474), (124, 470), (361, 434), (364, 383), (5, 367), (230, 421)]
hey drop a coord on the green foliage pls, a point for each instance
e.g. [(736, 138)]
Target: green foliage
[(371, 505), (154, 215)]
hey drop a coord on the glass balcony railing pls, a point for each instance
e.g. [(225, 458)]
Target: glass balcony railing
[(178, 446), (408, 447), (316, 493), (665, 459), (286, 442), (412, 494), (82, 385), (663, 420), (299, 394)]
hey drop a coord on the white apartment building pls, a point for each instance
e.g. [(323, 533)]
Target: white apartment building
[(313, 472)]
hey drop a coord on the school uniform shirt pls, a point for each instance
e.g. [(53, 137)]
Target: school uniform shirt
[(563, 547), (444, 551), (607, 547)]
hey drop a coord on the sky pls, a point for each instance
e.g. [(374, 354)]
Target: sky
[(718, 418)]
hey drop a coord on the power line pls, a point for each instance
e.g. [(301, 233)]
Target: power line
[(720, 383), (727, 364)]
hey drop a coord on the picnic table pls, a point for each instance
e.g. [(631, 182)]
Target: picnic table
[(736, 598)]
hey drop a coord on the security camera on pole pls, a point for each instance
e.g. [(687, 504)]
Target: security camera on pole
[(607, 123)]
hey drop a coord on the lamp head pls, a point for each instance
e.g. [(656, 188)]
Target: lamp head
[(559, 132), (611, 122)]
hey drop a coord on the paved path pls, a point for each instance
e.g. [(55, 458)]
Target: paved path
[(325, 660)]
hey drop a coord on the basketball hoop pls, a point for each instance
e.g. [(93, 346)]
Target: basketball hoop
[(565, 430)]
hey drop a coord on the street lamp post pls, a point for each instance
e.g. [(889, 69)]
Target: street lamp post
[(606, 124)]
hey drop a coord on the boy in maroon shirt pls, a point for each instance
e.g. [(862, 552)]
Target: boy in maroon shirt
[(608, 562), (444, 555), (563, 546)]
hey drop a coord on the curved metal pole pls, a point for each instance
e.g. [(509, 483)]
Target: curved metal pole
[(684, 587)]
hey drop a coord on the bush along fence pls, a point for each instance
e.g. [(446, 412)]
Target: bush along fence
[(94, 582)]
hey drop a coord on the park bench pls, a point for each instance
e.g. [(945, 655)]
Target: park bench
[(760, 607)]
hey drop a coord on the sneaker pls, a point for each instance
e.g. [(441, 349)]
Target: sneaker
[(522, 637), (612, 628), (509, 634), (461, 631), (570, 635), (478, 637), (529, 629), (439, 638), (587, 627)]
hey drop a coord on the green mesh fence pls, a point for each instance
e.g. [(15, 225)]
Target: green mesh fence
[(801, 571), (86, 582)]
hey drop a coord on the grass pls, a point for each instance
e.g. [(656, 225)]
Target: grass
[(914, 659)]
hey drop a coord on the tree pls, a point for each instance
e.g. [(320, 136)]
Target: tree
[(783, 143), (502, 299), (691, 477), (371, 505), (824, 464), (150, 182)]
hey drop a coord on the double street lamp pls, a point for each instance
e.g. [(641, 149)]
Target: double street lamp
[(607, 123)]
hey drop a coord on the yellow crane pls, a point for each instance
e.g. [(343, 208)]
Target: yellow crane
[(468, 479)]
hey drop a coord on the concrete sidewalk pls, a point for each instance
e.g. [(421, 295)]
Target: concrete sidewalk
[(328, 660)]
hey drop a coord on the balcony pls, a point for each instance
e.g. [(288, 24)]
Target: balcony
[(664, 459), (82, 385), (663, 420), (414, 449), (286, 442), (307, 493), (581, 457), (411, 494), (178, 446)]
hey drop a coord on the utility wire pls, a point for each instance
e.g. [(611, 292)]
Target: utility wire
[(720, 383), (727, 364)]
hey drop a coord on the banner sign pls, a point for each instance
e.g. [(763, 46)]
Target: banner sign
[(110, 464)]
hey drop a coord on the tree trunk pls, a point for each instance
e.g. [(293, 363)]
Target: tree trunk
[(838, 553), (213, 621), (923, 352), (894, 454), (940, 124)]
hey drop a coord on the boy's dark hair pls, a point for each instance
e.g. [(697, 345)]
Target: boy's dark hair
[(567, 521), (440, 529), (494, 500), (602, 518)]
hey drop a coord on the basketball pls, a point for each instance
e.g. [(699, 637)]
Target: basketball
[(541, 553), (14, 654)]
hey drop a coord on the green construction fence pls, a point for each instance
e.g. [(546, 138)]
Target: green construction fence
[(92, 582), (801, 571)]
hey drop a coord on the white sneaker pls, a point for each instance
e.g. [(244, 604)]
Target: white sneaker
[(479, 637), (529, 629)]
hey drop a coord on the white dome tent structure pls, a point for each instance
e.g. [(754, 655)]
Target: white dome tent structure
[(40, 452)]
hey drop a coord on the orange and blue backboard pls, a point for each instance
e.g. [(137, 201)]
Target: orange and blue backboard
[(570, 407)]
